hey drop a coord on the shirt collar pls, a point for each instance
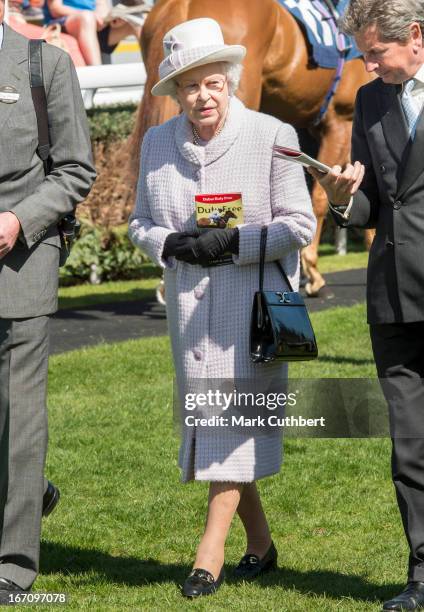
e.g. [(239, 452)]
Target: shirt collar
[(420, 76)]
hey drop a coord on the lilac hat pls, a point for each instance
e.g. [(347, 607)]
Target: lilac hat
[(190, 44)]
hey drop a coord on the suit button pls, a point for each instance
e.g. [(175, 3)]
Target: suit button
[(197, 354), (389, 244), (382, 169), (397, 204)]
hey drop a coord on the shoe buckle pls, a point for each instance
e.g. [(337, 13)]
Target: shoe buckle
[(203, 575)]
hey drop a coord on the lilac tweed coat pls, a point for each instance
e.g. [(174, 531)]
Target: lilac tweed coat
[(208, 309)]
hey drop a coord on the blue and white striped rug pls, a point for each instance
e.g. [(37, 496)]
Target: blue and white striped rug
[(323, 39)]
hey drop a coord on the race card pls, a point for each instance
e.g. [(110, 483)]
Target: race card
[(219, 211)]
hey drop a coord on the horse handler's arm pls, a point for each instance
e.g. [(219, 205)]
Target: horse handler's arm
[(293, 223)]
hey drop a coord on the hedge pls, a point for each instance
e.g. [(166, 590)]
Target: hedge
[(111, 123), (101, 255)]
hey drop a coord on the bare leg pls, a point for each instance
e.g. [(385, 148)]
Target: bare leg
[(121, 30), (83, 27), (253, 517), (224, 497)]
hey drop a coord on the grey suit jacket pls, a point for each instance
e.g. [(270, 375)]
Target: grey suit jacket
[(29, 273), (391, 200)]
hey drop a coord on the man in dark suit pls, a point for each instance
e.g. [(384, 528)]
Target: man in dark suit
[(31, 205), (385, 190)]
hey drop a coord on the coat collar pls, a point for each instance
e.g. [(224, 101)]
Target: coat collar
[(217, 147), (13, 54), (393, 121), (407, 153), (14, 47), (413, 165)]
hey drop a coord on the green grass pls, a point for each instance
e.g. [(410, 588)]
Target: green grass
[(329, 261), (124, 535), (338, 263), (80, 296)]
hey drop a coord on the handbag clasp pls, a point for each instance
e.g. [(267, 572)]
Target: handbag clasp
[(283, 296)]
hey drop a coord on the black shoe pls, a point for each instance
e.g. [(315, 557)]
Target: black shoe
[(412, 598), (201, 582), (50, 499), (8, 589), (251, 566)]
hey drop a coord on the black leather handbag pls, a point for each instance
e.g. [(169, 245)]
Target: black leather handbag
[(280, 328)]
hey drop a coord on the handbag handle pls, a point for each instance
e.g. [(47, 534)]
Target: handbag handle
[(264, 234)]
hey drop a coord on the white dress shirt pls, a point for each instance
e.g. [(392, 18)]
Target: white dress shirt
[(418, 91), (1, 34)]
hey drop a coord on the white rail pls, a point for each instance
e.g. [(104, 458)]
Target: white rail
[(112, 83)]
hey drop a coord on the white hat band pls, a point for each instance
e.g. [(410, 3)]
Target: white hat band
[(180, 58)]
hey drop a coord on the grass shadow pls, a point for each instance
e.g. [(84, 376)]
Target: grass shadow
[(132, 571), (348, 360), (330, 584)]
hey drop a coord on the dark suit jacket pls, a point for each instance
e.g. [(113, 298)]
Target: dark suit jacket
[(29, 273), (391, 200)]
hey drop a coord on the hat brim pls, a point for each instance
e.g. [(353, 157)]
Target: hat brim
[(231, 53)]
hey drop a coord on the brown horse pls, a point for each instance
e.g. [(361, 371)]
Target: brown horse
[(278, 79), (221, 222)]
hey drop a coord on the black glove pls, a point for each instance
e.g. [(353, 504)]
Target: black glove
[(179, 244), (213, 243)]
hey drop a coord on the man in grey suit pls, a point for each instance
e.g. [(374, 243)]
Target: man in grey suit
[(385, 187), (31, 205)]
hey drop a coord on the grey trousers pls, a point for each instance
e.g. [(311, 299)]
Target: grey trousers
[(24, 345)]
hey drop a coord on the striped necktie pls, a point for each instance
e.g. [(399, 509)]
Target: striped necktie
[(410, 106)]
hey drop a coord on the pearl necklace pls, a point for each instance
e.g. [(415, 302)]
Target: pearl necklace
[(196, 137)]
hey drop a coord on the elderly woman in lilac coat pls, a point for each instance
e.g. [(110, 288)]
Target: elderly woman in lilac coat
[(218, 146)]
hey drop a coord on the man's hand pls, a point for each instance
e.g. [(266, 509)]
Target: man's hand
[(9, 232), (340, 185)]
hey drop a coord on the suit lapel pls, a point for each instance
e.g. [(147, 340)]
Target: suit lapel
[(15, 46), (413, 164), (9, 75), (13, 54), (393, 121)]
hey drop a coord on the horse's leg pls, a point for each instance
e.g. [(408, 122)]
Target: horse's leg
[(309, 255), (368, 238), (334, 149)]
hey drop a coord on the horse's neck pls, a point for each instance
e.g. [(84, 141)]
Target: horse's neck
[(156, 110), (164, 15)]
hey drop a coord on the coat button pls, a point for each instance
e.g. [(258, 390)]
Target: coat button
[(397, 204), (389, 244), (197, 354), (382, 169)]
